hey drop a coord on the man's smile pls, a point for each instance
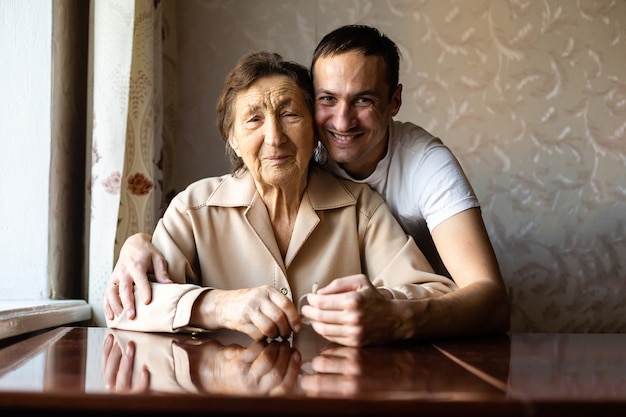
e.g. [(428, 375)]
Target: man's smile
[(344, 137)]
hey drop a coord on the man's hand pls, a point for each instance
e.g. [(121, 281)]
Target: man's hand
[(138, 257), (352, 312), (117, 368), (348, 372)]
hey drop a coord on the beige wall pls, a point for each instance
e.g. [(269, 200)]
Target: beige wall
[(530, 95)]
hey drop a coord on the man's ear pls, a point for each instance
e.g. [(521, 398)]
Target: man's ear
[(396, 101)]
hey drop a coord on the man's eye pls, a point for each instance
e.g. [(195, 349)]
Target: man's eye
[(364, 100), (326, 99)]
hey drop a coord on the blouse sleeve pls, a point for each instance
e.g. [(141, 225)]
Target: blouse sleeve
[(394, 261)]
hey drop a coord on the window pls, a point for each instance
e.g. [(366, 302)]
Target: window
[(25, 87)]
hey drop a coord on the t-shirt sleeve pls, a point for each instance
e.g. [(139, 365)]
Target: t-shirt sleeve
[(446, 190)]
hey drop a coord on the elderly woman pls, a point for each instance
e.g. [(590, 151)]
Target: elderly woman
[(243, 248)]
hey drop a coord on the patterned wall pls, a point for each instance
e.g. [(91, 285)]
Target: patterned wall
[(530, 95)]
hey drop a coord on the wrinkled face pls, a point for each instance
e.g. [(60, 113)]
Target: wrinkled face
[(353, 109), (273, 131)]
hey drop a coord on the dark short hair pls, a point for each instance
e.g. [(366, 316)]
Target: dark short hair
[(248, 69), (364, 39)]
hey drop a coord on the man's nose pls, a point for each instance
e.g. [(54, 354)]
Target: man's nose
[(344, 117)]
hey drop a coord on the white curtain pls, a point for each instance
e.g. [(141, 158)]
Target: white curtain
[(130, 132)]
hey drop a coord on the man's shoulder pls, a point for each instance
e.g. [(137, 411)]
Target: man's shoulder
[(412, 145), (407, 134)]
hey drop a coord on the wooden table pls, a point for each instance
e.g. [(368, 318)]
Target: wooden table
[(90, 370)]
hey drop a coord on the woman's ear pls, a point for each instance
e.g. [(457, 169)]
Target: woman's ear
[(233, 144)]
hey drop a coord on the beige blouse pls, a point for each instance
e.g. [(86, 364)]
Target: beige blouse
[(217, 234)]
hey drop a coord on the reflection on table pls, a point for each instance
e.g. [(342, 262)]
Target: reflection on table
[(306, 365), (102, 370)]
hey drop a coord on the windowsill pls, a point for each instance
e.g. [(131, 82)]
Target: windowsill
[(25, 316)]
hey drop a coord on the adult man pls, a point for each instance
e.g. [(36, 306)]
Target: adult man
[(355, 74)]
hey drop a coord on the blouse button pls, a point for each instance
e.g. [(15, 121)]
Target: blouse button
[(284, 291)]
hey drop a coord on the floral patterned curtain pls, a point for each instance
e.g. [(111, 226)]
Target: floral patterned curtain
[(131, 120)]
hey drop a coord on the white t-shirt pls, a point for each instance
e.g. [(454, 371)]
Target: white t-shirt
[(422, 182)]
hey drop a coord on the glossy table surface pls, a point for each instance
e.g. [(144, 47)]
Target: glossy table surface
[(79, 370)]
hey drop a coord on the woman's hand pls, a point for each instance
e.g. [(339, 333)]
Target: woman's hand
[(260, 312), (268, 368)]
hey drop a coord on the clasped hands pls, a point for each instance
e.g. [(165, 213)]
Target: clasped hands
[(349, 311)]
